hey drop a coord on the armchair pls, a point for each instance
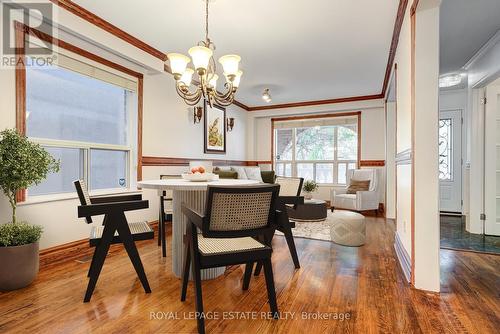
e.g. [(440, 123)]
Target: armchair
[(361, 200)]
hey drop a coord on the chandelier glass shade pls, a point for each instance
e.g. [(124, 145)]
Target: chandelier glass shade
[(201, 82)]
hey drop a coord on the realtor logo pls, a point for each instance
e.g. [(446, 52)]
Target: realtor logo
[(20, 20)]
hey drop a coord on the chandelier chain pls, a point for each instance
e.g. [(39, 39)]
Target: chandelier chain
[(206, 22)]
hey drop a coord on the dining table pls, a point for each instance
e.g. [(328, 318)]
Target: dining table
[(194, 195)]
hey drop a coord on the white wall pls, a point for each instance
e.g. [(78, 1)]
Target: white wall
[(403, 134), (372, 133), (168, 130)]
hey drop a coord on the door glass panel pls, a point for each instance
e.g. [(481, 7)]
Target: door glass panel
[(445, 149)]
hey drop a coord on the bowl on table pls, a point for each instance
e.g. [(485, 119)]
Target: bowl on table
[(200, 177)]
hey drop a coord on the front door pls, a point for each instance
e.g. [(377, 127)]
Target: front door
[(450, 161)]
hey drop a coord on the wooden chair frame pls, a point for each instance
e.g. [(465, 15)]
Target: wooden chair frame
[(113, 208), (284, 225), (163, 217), (198, 261)]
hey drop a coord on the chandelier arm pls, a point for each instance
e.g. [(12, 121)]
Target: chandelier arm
[(191, 99), (229, 92), (186, 94), (224, 101)]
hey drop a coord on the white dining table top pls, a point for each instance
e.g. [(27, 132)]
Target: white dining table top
[(180, 184)]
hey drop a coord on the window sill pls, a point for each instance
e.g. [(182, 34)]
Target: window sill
[(72, 196)]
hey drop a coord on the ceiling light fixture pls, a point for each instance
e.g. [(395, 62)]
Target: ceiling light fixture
[(204, 66), (266, 96), (450, 80)]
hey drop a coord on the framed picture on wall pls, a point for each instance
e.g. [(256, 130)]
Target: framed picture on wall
[(215, 129)]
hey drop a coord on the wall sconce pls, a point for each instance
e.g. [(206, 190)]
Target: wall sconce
[(197, 114), (230, 124)]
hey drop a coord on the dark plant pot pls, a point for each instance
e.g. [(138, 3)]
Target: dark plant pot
[(19, 266)]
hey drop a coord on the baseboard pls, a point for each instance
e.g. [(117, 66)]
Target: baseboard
[(71, 251), (403, 257)]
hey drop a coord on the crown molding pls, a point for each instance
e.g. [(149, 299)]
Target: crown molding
[(483, 50), (317, 102), (92, 18), (394, 43)]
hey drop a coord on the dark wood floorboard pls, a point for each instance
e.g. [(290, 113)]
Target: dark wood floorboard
[(364, 282)]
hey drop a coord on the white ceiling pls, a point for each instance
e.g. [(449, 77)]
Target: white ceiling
[(302, 49), (465, 26)]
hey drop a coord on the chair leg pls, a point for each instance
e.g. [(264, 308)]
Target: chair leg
[(99, 256), (91, 264), (185, 273), (163, 241), (159, 224), (271, 292), (248, 275), (195, 265), (258, 268), (133, 254), (291, 246), (332, 208)]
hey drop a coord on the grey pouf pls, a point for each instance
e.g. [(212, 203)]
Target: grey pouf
[(347, 228)]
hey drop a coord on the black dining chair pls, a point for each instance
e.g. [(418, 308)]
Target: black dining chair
[(230, 225), (289, 198), (165, 213), (114, 229)]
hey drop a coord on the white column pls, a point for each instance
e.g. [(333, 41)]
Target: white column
[(426, 123)]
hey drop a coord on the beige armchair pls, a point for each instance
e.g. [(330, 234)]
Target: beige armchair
[(361, 200)]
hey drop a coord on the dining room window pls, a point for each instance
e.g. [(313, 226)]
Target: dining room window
[(85, 116), (320, 149)]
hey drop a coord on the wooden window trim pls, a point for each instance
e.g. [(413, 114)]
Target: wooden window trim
[(21, 31)]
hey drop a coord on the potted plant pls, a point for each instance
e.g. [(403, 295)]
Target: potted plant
[(309, 187), (22, 164)]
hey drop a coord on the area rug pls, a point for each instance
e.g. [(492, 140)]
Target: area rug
[(312, 230)]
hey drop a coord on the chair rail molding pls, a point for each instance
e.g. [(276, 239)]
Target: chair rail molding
[(175, 161), (371, 163)]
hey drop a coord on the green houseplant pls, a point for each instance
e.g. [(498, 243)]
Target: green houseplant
[(22, 164), (309, 187)]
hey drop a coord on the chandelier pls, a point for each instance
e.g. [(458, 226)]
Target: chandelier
[(204, 65)]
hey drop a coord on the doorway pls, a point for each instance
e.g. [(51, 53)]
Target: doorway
[(450, 161)]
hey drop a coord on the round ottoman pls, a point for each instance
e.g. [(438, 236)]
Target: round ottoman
[(347, 228)]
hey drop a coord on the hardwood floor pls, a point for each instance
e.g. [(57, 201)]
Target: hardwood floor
[(364, 283)]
